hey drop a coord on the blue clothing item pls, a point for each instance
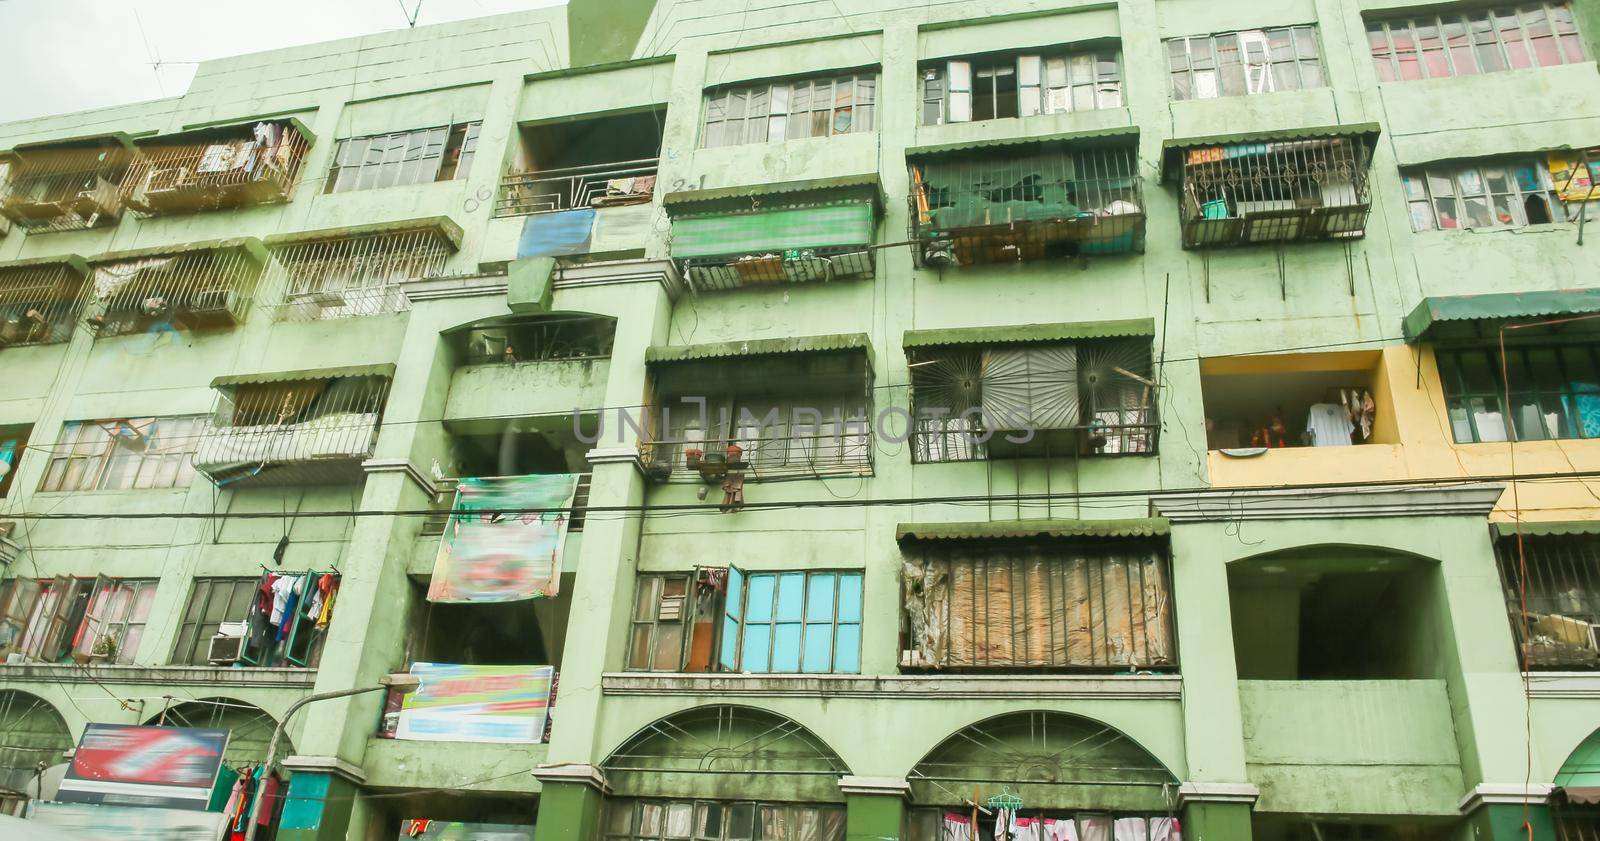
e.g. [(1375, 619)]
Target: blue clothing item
[(288, 611)]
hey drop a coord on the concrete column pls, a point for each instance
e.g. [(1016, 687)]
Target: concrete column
[(571, 803), (317, 807), (875, 808), (1510, 822), (1214, 821), (1213, 721)]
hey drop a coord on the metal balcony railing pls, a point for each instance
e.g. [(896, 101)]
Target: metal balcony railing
[(971, 211), (344, 278), (250, 165), (39, 304), (1559, 625), (64, 190), (803, 266), (601, 185), (1293, 190), (190, 290), (293, 432), (779, 452), (445, 496)]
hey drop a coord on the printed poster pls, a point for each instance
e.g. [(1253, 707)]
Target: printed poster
[(487, 555), (500, 704), (127, 765), (1574, 181)]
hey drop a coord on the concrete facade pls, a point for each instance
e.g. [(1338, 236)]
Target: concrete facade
[(1438, 744)]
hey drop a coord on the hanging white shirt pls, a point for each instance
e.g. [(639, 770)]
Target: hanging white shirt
[(1329, 425)]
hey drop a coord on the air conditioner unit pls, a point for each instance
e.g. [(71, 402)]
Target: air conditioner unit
[(213, 300), (225, 650)]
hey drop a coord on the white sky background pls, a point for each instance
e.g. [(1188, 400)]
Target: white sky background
[(71, 55)]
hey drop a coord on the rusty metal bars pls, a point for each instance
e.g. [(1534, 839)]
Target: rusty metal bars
[(250, 166), (188, 290), (39, 304), (358, 276), (1280, 191)]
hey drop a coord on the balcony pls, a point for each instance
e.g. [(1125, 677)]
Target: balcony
[(353, 272), (445, 496), (297, 427), (1309, 409), (1307, 185), (977, 205), (583, 162), (217, 168), (40, 300), (65, 185), (1552, 588), (206, 285), (597, 186), (775, 234)]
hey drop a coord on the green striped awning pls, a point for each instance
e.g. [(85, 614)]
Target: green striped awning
[(758, 347), (382, 370), (1130, 327), (1579, 776), (1135, 527), (1499, 306), (1559, 528), (1172, 150), (779, 229)]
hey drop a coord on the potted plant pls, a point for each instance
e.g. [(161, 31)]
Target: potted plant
[(693, 447), (105, 649)]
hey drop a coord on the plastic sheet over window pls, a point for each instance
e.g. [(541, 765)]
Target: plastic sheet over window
[(1056, 604)]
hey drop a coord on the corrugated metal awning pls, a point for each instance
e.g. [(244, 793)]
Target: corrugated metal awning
[(1584, 795), (71, 261), (1549, 529), (993, 530), (115, 138), (1172, 150), (1496, 306), (443, 225), (382, 370), (198, 130), (1061, 138), (759, 347), (864, 186), (1130, 327), (249, 245)]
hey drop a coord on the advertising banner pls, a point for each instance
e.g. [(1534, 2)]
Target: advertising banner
[(426, 830), (487, 555), (127, 765), (128, 823), (504, 704)]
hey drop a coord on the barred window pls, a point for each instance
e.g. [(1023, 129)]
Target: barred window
[(420, 156), (713, 820), (1475, 41), (1252, 61), (1554, 392), (1552, 589), (995, 87), (1506, 193), (1056, 603), (772, 112), (124, 454)]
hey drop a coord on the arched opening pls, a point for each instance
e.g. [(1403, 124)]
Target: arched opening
[(1046, 770), (249, 727), (1576, 801), (724, 773), (33, 737)]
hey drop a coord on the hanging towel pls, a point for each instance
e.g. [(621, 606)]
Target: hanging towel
[(1002, 824), (1130, 829), (1026, 829), (1094, 828), (957, 827), (1059, 829), (1164, 829), (327, 606), (289, 603)]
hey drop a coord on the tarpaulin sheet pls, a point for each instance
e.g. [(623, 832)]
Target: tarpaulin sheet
[(454, 703), (773, 230), (557, 234), (487, 555)]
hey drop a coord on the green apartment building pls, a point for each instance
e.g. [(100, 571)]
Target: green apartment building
[(1181, 416)]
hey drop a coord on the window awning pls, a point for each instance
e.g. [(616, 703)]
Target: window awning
[(1062, 138), (200, 131), (863, 187), (1579, 777), (443, 225), (778, 229), (382, 370), (1498, 306), (118, 138), (249, 245), (993, 530), (1030, 333), (1172, 150), (72, 261), (760, 347), (1548, 529)]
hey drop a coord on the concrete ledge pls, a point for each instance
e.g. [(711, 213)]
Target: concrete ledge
[(1246, 793), (890, 786), (452, 766), (1059, 687), (1564, 685), (1475, 499), (573, 772), (436, 289), (664, 272), (1485, 794), (326, 765), (273, 678)]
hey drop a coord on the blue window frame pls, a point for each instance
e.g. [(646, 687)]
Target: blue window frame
[(788, 622)]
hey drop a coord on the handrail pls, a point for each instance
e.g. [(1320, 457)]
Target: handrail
[(526, 192)]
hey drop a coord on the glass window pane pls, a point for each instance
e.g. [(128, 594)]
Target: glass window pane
[(680, 820), (786, 647), (757, 645), (758, 605), (818, 648), (847, 649), (791, 597), (741, 821), (849, 597), (650, 819), (669, 647), (819, 597)]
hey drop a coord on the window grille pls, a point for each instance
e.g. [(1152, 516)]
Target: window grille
[(1059, 604), (65, 189), (996, 87), (192, 290), (716, 820), (1475, 41), (775, 439), (1275, 191), (420, 156), (772, 112), (776, 267), (1577, 822), (355, 276), (1559, 626), (973, 210), (1505, 193), (216, 168), (1555, 392), (523, 193), (1245, 63), (554, 339), (39, 303), (325, 427), (133, 453)]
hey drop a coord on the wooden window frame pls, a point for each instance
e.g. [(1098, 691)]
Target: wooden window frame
[(767, 112), (1305, 60), (415, 156), (98, 455), (1467, 43)]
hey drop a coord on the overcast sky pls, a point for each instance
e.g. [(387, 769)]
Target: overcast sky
[(69, 55)]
